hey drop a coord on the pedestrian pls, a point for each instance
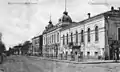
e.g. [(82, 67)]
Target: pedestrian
[(2, 49), (78, 57)]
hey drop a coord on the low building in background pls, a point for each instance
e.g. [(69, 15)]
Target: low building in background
[(40, 44), (30, 51), (35, 45)]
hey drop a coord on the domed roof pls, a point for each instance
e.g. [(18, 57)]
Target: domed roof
[(50, 25), (66, 17)]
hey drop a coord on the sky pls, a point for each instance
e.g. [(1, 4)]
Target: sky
[(19, 22)]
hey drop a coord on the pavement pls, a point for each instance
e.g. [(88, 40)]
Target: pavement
[(38, 64), (64, 66), (89, 61), (1, 70)]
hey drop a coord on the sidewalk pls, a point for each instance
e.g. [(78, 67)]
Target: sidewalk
[(76, 62)]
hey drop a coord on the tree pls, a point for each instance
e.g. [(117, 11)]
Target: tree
[(25, 47)]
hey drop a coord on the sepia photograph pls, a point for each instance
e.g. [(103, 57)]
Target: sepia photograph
[(59, 35)]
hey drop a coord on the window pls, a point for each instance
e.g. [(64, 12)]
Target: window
[(71, 37), (82, 36), (52, 38), (63, 39), (76, 37), (76, 52), (35, 41), (88, 32), (49, 39), (118, 33), (67, 38), (96, 53), (46, 40), (81, 53), (88, 53), (43, 40), (57, 37), (96, 33)]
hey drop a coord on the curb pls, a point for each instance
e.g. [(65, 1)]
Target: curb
[(94, 62), (75, 62)]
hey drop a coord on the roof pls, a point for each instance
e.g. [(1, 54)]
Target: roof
[(66, 17), (73, 24), (36, 37), (70, 25), (97, 16)]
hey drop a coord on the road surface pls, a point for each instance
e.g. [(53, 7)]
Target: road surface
[(31, 64)]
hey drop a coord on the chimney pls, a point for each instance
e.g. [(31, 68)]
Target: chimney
[(112, 8), (88, 15)]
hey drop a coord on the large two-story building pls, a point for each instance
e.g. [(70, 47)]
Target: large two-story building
[(89, 37), (51, 35)]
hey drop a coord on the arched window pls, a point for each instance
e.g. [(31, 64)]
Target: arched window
[(63, 39), (76, 37), (43, 40), (96, 33), (49, 39), (71, 37), (46, 40), (82, 36), (57, 37), (52, 38), (67, 38), (88, 32)]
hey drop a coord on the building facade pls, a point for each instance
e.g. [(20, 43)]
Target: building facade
[(51, 35), (51, 39), (40, 44), (90, 37), (36, 45)]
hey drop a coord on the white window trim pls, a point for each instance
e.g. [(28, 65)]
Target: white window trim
[(117, 32)]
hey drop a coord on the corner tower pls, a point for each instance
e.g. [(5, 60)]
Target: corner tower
[(65, 19)]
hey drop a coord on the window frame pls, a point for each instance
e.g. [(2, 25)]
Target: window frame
[(76, 36), (96, 33), (63, 39), (82, 35), (88, 35)]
